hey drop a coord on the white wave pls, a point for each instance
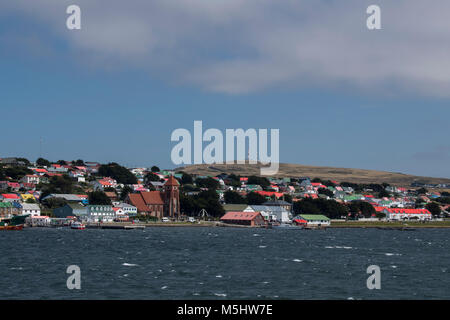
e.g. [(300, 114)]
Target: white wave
[(297, 260), (164, 287), (129, 264), (262, 247), (219, 276), (220, 294)]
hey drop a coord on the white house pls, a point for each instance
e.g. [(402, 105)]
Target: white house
[(407, 214), (272, 213), (31, 178), (39, 221), (32, 209), (128, 209)]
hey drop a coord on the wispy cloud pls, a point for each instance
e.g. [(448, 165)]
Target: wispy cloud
[(239, 46)]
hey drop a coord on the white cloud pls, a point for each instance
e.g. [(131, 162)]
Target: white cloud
[(239, 46)]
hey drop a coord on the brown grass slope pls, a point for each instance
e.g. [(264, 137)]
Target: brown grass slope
[(326, 173)]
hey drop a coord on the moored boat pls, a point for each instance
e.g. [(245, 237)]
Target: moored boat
[(14, 223), (77, 225)]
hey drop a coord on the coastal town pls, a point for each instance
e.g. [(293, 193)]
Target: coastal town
[(78, 194)]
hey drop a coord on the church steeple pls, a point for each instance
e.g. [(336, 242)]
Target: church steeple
[(172, 197)]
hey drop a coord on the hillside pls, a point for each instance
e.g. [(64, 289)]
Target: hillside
[(331, 173)]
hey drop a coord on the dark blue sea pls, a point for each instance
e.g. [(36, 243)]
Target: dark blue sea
[(225, 263)]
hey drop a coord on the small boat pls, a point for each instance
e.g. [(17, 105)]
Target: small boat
[(77, 225), (11, 228), (14, 223)]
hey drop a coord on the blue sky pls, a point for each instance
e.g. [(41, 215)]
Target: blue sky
[(93, 99)]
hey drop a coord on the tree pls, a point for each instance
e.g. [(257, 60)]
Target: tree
[(361, 209), (43, 162), (422, 191), (117, 172), (326, 192), (61, 162), (255, 198), (98, 198), (208, 200), (17, 172), (58, 184), (53, 203), (78, 162), (234, 197), (24, 160), (383, 194), (233, 180), (124, 193), (149, 177), (330, 208), (288, 198), (155, 169), (209, 183), (187, 179), (261, 181), (434, 208)]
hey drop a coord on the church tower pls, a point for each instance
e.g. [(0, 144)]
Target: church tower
[(171, 191)]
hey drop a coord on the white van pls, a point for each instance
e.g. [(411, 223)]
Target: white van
[(165, 219), (191, 219)]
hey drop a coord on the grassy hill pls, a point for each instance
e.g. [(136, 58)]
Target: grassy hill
[(331, 173)]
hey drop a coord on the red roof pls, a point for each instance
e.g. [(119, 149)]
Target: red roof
[(408, 211), (141, 200), (270, 193), (137, 201), (152, 197), (240, 215), (172, 182), (10, 196)]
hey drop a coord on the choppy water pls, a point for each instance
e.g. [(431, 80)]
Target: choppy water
[(225, 263)]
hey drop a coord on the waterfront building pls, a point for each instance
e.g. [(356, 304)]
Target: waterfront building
[(314, 220), (271, 213), (98, 213), (128, 209), (252, 219), (165, 203), (406, 214), (38, 221), (7, 210), (279, 203), (32, 209), (71, 210)]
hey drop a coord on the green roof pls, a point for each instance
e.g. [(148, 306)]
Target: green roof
[(309, 217), (6, 205)]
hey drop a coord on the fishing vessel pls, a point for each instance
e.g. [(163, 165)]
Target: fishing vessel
[(14, 223), (77, 225)]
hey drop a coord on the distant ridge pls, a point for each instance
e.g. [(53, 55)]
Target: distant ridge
[(327, 173)]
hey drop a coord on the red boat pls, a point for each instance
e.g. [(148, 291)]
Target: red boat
[(19, 227), (14, 223)]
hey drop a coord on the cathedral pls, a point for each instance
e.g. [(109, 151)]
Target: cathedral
[(164, 203)]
